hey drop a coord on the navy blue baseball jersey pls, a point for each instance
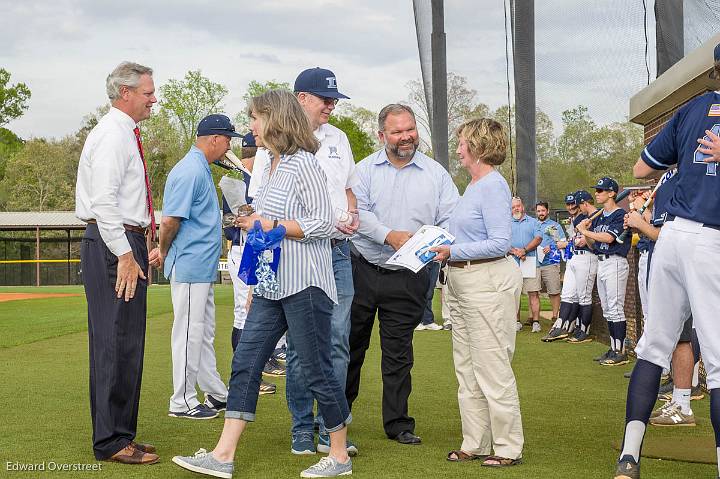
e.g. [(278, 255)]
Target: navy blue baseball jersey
[(611, 223), (697, 193), (662, 197), (644, 243), (576, 221)]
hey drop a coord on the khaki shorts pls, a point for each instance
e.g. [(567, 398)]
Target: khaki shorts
[(549, 276)]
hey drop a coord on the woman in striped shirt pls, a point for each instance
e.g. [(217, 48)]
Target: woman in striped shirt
[(294, 194)]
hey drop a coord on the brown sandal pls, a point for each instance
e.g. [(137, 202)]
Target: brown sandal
[(501, 461), (460, 456)]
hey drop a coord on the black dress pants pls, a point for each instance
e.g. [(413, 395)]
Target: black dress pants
[(398, 298), (116, 332)]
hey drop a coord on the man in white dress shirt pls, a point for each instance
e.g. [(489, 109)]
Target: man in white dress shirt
[(113, 196)]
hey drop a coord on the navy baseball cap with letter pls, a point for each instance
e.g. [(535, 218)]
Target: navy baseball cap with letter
[(570, 199), (216, 124), (608, 184), (716, 57), (318, 81), (581, 196), (248, 141)]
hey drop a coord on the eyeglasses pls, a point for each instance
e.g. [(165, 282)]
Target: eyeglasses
[(326, 100)]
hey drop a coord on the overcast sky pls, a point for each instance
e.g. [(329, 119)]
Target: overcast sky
[(587, 53)]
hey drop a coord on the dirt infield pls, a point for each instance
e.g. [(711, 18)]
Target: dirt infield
[(18, 296)]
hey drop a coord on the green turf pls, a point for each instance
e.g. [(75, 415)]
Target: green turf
[(572, 408)]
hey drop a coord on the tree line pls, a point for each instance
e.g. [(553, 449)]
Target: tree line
[(38, 174)]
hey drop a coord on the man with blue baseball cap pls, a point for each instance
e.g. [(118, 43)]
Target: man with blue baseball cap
[(189, 250), (317, 92)]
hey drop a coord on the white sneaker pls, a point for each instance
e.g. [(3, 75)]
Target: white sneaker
[(433, 327), (518, 326), (536, 327), (420, 327)]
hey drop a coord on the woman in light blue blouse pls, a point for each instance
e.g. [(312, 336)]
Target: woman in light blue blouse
[(484, 295), (294, 194)]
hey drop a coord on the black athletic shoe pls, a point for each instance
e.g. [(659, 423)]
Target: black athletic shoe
[(555, 334), (697, 393), (666, 390), (215, 404), (579, 338), (603, 357), (274, 369), (627, 468)]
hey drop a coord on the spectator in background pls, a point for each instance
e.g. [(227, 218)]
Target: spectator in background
[(428, 320), (549, 269), (484, 288), (523, 243)]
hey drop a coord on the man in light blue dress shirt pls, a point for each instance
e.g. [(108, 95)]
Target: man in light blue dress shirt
[(400, 190), (190, 246), (549, 270)]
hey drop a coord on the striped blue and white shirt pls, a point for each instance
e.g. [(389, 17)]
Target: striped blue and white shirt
[(297, 190)]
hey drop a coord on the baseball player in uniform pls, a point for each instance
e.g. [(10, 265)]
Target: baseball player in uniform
[(686, 357), (580, 274), (569, 305), (612, 270), (679, 287)]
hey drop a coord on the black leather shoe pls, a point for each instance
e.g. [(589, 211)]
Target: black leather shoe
[(406, 437)]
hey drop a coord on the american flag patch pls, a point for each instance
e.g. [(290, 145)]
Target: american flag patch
[(714, 109)]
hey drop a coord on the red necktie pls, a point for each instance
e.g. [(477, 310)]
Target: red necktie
[(148, 190)]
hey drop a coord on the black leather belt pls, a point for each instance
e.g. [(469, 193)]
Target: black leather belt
[(670, 217), (603, 257), (462, 264), (377, 268), (136, 229), (582, 251), (336, 242)]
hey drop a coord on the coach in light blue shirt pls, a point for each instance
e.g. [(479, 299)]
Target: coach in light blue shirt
[(190, 243), (400, 190)]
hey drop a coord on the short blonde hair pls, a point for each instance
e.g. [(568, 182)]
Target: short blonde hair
[(286, 128), (486, 140)]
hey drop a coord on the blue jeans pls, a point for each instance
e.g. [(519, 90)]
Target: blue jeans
[(433, 271), (306, 317), (299, 397)]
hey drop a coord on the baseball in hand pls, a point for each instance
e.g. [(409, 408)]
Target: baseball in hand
[(344, 218)]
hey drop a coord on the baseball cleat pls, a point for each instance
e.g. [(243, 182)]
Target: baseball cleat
[(579, 337), (673, 416), (627, 468), (604, 356), (554, 335), (615, 359), (697, 393)]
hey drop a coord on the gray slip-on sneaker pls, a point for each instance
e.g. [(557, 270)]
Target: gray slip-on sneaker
[(328, 467), (204, 463)]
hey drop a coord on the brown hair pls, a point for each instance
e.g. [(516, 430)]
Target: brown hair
[(285, 127), (486, 140)]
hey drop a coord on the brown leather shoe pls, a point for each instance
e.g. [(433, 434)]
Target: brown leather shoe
[(132, 455), (144, 447)]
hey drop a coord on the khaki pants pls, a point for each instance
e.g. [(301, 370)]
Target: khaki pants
[(483, 299)]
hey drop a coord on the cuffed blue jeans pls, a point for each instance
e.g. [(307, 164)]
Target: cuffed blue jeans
[(297, 390), (433, 271), (306, 316)]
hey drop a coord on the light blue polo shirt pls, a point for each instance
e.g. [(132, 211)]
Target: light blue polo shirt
[(523, 231), (544, 230), (190, 195)]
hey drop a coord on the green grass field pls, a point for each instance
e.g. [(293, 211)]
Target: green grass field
[(572, 408)]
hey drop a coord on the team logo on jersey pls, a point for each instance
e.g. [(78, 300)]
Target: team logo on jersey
[(714, 109)]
